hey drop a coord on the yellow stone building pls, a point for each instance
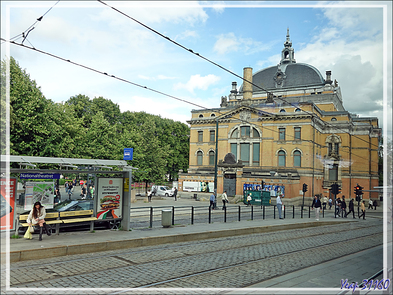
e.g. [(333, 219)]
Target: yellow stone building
[(286, 126)]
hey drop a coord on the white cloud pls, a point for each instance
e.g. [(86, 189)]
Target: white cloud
[(186, 35), (230, 43), (198, 82)]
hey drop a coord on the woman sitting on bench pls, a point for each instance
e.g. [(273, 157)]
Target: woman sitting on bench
[(36, 216)]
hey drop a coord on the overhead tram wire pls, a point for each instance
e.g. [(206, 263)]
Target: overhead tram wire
[(138, 85), (29, 29), (221, 67)]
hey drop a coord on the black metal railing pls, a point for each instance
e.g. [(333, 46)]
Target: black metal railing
[(149, 217)]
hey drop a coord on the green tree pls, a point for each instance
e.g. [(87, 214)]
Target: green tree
[(29, 119)]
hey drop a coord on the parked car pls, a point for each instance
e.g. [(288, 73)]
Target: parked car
[(161, 191), (76, 205)]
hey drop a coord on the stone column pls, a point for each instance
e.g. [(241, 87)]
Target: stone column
[(247, 86)]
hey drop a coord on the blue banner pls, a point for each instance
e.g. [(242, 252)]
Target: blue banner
[(39, 176)]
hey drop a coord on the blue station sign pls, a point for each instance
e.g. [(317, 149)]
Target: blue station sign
[(39, 176), (128, 154)]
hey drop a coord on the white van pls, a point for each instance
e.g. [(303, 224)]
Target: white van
[(161, 190)]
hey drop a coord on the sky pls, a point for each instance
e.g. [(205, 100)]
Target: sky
[(351, 39)]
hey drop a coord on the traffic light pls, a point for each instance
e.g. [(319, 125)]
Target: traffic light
[(360, 190), (356, 190), (304, 187), (336, 188)]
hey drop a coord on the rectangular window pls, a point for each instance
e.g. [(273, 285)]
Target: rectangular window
[(333, 173), (281, 133), (200, 136), (245, 153), (255, 154), (297, 133), (245, 131), (234, 149), (330, 148), (212, 135)]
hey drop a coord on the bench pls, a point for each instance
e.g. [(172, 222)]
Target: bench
[(66, 217)]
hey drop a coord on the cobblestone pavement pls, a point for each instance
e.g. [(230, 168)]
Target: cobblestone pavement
[(232, 262)]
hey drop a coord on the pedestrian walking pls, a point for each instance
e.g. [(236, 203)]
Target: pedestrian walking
[(351, 208), (375, 204), (370, 204), (325, 200), (175, 193), (317, 204), (37, 216), (330, 203), (279, 206), (343, 208), (70, 188), (84, 191), (149, 196), (224, 198), (249, 198), (212, 199), (363, 209)]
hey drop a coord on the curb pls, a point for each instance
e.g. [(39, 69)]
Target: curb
[(57, 251)]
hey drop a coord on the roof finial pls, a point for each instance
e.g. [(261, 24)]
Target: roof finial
[(288, 42)]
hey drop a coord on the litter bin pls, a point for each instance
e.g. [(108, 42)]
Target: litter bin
[(166, 217)]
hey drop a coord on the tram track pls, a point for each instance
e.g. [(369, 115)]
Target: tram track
[(293, 239)]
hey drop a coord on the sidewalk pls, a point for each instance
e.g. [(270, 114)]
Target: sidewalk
[(104, 240)]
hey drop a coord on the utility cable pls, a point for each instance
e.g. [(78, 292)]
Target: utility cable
[(29, 29), (221, 67)]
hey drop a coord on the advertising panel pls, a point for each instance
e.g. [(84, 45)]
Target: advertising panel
[(109, 198), (42, 192), (8, 193), (195, 186), (279, 189)]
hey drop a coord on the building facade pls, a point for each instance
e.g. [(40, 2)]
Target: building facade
[(285, 126)]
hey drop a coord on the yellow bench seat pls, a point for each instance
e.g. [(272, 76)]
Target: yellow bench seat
[(78, 219)]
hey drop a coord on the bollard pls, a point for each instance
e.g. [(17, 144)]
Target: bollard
[(225, 214), (151, 217), (293, 209), (309, 212), (323, 212), (166, 217), (239, 214), (252, 212), (192, 214), (284, 210), (301, 213), (274, 212), (263, 212), (173, 215), (210, 214)]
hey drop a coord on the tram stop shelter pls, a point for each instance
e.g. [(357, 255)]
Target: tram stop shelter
[(113, 179)]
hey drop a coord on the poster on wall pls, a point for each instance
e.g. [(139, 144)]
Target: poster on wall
[(109, 198), (42, 192), (196, 186), (7, 195), (279, 189)]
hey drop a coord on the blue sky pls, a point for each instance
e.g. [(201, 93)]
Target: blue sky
[(344, 37)]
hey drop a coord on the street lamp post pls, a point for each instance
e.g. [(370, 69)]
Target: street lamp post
[(216, 159)]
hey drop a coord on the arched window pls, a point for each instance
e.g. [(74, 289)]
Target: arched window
[(281, 158), (298, 110), (213, 115), (255, 133), (211, 158), (200, 116), (297, 159), (333, 119), (199, 158), (235, 133), (282, 111)]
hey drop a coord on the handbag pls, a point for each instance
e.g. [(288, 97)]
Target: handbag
[(31, 229), (28, 234)]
